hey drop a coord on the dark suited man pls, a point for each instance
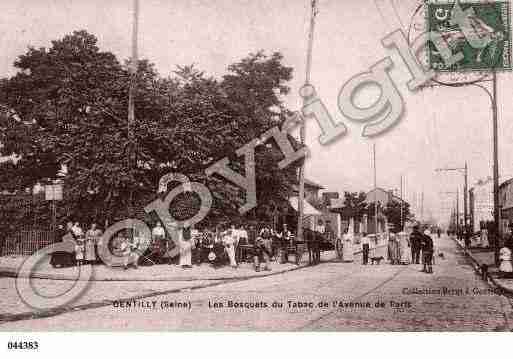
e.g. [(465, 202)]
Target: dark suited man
[(415, 242)]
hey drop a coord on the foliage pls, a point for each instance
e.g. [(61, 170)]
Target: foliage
[(354, 205), (64, 114), (393, 213)]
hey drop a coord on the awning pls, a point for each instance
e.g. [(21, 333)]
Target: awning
[(308, 209)]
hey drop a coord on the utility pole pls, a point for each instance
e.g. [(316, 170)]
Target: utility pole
[(422, 206), (131, 101), (401, 196), (465, 189), (375, 190), (457, 211), (302, 129), (465, 199), (496, 209), (457, 207)]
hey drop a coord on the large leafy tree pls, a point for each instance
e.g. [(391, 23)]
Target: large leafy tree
[(354, 205), (64, 113), (393, 213)]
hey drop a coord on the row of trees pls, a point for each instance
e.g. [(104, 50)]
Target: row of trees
[(64, 114)]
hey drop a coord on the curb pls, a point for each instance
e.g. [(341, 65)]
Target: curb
[(13, 273), (5, 318), (477, 267)]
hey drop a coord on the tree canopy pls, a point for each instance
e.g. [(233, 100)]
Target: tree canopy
[(65, 114), (393, 213), (354, 205)]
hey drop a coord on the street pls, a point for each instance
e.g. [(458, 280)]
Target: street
[(353, 298)]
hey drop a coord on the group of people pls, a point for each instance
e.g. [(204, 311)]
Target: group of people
[(399, 249), (422, 243), (230, 245), (227, 245), (86, 243)]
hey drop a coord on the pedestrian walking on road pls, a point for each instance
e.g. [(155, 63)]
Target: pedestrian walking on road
[(427, 252), (415, 242), (467, 238), (365, 248)]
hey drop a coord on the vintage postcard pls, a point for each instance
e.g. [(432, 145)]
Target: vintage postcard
[(229, 165)]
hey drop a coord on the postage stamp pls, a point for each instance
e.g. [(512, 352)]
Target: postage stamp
[(490, 22)]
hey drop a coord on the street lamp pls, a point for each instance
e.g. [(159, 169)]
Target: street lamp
[(473, 79), (465, 188), (457, 193)]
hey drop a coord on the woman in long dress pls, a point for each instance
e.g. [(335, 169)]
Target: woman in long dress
[(404, 248), (185, 243), (393, 250), (91, 238), (347, 249), (229, 246), (484, 238)]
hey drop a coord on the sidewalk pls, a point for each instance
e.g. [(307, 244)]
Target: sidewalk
[(480, 257), (9, 267)]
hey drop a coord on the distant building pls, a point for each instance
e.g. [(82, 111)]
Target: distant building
[(317, 214), (481, 204), (328, 197), (311, 190), (382, 196), (506, 206)]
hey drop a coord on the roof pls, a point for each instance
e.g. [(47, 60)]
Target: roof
[(389, 194), (308, 209), (506, 183), (312, 184)]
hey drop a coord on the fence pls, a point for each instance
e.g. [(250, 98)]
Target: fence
[(26, 242)]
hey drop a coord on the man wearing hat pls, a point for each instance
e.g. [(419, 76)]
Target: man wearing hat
[(415, 242), (427, 251)]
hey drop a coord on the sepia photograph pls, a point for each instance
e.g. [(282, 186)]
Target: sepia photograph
[(255, 166)]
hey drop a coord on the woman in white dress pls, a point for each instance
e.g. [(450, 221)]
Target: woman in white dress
[(92, 237), (347, 249), (484, 238), (185, 243), (229, 241), (404, 248)]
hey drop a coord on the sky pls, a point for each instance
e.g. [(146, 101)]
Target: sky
[(442, 127)]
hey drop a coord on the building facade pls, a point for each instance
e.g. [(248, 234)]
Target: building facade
[(506, 206), (481, 204)]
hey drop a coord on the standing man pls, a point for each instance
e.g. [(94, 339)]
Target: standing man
[(467, 237), (365, 248), (427, 252), (415, 242), (263, 249), (284, 241)]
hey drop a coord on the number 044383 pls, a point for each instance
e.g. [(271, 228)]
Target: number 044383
[(22, 345)]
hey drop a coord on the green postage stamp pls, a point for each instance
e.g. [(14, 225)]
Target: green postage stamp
[(488, 20)]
